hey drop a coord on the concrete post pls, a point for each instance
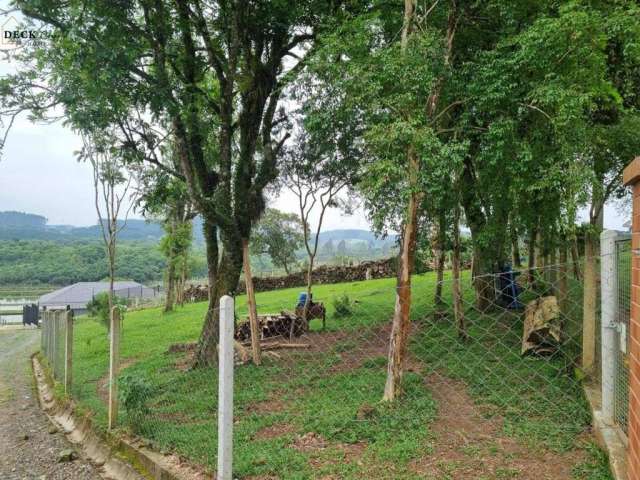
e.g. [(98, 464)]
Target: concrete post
[(225, 389), (609, 298), (53, 341), (68, 351), (114, 366)]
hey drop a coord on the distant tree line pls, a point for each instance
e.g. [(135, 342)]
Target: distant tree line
[(63, 263)]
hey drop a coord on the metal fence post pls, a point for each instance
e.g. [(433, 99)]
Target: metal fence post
[(68, 351), (609, 298), (114, 360), (225, 389)]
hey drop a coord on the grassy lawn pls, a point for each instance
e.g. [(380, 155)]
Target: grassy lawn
[(314, 413)]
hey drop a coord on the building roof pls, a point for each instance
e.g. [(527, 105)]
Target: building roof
[(79, 294)]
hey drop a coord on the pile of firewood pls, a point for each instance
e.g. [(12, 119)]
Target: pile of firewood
[(196, 293), (273, 325)]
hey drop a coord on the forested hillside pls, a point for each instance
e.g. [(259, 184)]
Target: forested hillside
[(62, 263)]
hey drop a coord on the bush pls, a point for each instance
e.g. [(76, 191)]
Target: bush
[(135, 393), (343, 306), (99, 307)]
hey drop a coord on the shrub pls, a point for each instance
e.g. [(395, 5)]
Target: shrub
[(99, 307), (342, 306), (135, 393)]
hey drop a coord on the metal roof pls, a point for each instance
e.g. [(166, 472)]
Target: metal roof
[(79, 294)]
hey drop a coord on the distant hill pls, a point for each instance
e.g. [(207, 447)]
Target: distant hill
[(337, 236), (27, 226)]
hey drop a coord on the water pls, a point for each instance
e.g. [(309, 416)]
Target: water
[(12, 308)]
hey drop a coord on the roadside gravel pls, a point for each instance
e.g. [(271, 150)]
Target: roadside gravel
[(29, 446)]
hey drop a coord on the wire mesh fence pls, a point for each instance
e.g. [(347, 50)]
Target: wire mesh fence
[(499, 375), (504, 370), (623, 313), (57, 343)]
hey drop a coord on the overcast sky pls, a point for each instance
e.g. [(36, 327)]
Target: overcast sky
[(39, 174)]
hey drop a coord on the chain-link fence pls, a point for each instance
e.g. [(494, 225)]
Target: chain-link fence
[(623, 313), (493, 373)]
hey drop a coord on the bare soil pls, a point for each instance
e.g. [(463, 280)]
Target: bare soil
[(467, 445)]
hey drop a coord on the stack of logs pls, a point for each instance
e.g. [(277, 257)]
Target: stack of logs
[(273, 325), (325, 274)]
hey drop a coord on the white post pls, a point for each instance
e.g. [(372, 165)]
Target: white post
[(609, 298), (114, 366), (68, 351), (225, 389)]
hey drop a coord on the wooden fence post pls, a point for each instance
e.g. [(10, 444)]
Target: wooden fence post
[(225, 389), (114, 366), (68, 351)]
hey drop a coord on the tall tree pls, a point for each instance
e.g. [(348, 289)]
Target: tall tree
[(112, 185), (208, 74), (316, 172)]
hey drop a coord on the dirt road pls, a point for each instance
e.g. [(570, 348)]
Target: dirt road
[(29, 449)]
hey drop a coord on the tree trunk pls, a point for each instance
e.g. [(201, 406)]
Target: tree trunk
[(458, 308), (251, 304), (171, 287), (183, 283), (563, 289), (223, 275), (112, 269), (516, 261), (483, 280), (575, 258), (590, 294), (553, 268), (401, 318), (531, 264), (439, 254), (589, 304)]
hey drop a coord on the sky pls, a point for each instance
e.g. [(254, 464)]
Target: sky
[(39, 174)]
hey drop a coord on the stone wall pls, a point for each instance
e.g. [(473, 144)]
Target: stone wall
[(325, 274)]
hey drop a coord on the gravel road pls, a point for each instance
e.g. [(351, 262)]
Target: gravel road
[(27, 448)]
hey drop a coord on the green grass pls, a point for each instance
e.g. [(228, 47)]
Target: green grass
[(302, 392)]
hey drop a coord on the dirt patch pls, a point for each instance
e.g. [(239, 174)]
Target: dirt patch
[(467, 446), (274, 431), (309, 442), (102, 386)]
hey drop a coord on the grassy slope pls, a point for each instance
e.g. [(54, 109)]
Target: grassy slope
[(308, 399)]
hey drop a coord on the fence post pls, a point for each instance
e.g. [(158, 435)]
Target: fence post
[(52, 336), (68, 351), (114, 366), (225, 389), (609, 299), (44, 340)]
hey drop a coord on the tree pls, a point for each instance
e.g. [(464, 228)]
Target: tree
[(278, 235), (316, 172), (208, 74), (112, 184), (175, 246)]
